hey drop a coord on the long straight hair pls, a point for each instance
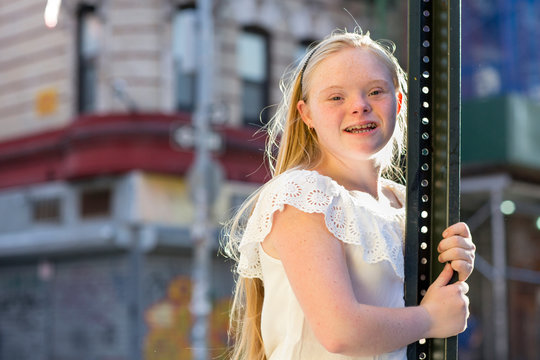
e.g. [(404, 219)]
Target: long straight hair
[(297, 146)]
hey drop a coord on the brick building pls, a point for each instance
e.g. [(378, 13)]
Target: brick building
[(95, 207)]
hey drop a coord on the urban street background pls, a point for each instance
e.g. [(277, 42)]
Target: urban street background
[(128, 135)]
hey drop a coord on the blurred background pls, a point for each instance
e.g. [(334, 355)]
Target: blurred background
[(104, 218)]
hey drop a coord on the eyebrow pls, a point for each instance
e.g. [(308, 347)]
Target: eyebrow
[(332, 87), (369, 83)]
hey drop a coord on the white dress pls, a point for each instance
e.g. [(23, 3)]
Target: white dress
[(373, 240)]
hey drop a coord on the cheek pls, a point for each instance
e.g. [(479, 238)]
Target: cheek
[(323, 117), (393, 105), (391, 116), (391, 112)]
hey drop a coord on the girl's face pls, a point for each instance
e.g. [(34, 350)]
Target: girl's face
[(352, 105)]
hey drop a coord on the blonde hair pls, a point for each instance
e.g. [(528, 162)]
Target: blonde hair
[(297, 146)]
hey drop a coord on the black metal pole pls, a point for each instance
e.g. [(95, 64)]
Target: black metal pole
[(433, 151)]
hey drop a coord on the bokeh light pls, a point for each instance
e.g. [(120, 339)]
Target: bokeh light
[(508, 207)]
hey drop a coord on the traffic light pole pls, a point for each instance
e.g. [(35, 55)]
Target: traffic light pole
[(433, 151)]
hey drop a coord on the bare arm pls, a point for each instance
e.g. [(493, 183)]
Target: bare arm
[(315, 265)]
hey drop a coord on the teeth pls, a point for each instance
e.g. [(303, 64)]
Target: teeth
[(361, 128)]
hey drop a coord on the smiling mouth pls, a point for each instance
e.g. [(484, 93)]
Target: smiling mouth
[(358, 129)]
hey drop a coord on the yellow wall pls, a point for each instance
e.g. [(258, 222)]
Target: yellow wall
[(163, 199)]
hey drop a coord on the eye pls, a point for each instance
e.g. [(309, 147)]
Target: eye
[(336, 98), (376, 92)]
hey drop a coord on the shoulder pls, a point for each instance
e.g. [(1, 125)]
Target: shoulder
[(296, 199), (306, 190), (292, 225), (301, 177)]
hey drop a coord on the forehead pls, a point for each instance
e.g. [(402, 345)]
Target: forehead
[(358, 64)]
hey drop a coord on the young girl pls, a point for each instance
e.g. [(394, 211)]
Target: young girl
[(320, 246)]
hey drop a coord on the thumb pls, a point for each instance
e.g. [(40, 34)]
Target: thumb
[(444, 277)]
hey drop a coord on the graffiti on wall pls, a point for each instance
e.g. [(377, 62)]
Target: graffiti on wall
[(169, 323)]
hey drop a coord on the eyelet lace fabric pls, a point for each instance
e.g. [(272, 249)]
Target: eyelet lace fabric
[(351, 216)]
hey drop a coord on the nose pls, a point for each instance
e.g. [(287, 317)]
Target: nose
[(360, 105)]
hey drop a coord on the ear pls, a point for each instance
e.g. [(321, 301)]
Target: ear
[(303, 109), (399, 101)]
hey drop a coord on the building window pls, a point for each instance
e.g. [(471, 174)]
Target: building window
[(184, 57), (46, 210), (88, 40), (253, 68), (303, 47), (96, 203)]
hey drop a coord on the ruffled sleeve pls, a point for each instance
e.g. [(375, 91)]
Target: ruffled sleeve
[(345, 217)]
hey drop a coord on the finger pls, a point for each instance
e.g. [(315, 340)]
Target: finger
[(463, 268), (456, 241), (444, 277), (459, 228), (456, 254), (464, 287)]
